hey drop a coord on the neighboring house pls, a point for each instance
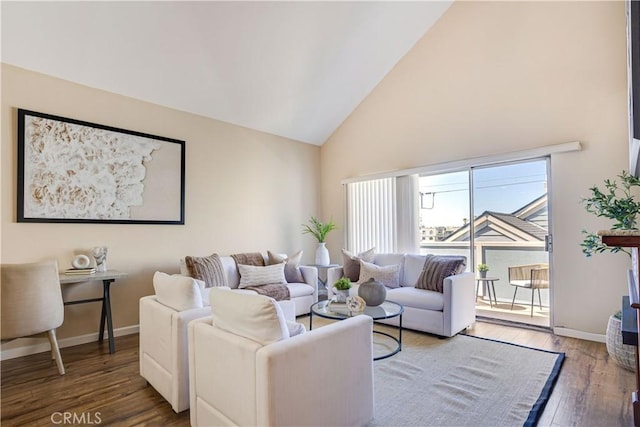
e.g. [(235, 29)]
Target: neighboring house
[(527, 224)]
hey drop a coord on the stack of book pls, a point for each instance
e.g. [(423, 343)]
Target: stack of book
[(339, 307), (89, 270)]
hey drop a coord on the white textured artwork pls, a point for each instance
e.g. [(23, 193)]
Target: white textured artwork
[(81, 172)]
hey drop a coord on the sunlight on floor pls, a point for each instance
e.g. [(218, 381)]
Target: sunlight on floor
[(521, 313)]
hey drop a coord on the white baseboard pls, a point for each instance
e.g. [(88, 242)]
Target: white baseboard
[(572, 333), (27, 346)]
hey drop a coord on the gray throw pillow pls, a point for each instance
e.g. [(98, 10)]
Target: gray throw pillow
[(437, 268), (351, 263), (208, 269), (388, 275), (292, 267)]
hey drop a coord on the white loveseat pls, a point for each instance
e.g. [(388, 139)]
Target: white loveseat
[(163, 332), (443, 314)]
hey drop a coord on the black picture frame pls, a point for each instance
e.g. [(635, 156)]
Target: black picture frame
[(72, 171)]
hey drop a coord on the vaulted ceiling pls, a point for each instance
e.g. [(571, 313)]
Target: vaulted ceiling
[(294, 69)]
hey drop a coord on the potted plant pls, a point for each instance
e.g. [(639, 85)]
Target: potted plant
[(319, 230), (482, 269), (615, 202), (341, 288)]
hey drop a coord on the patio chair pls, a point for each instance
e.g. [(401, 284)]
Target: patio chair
[(530, 276)]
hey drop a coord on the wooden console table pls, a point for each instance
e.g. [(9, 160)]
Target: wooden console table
[(107, 278), (630, 239)]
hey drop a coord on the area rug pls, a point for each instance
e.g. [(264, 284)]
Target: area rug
[(463, 381)]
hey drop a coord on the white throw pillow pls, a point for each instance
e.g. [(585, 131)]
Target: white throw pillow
[(204, 291), (252, 275), (256, 317), (295, 328), (388, 275), (177, 291)]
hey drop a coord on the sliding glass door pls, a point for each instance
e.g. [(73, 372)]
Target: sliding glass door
[(498, 216), (511, 226)]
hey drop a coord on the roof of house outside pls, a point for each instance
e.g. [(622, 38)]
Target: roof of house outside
[(520, 222)]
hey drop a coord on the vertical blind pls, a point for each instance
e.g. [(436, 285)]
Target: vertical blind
[(383, 213)]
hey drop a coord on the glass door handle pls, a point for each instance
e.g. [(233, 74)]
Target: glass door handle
[(548, 243)]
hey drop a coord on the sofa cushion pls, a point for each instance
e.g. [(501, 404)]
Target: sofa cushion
[(417, 298), (437, 268), (292, 265), (251, 275), (388, 275), (351, 263), (177, 291), (255, 317), (413, 266), (299, 289), (208, 269)]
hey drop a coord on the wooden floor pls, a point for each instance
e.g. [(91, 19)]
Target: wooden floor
[(105, 389)]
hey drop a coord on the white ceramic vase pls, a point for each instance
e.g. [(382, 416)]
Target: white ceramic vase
[(322, 254)]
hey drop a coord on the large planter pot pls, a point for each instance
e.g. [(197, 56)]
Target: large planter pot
[(372, 292), (622, 354), (322, 254)]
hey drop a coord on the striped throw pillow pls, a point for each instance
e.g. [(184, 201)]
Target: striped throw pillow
[(208, 269), (251, 275), (437, 268)]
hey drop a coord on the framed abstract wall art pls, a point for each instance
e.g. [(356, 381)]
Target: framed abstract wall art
[(79, 172)]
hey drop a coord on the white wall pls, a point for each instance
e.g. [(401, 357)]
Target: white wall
[(245, 191), (496, 77)]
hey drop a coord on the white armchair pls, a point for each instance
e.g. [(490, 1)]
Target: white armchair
[(254, 375), (163, 346)]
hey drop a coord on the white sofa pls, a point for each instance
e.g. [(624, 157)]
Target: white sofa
[(247, 373), (163, 333), (443, 314)]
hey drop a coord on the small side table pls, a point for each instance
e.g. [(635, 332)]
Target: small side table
[(488, 285), (323, 269), (106, 277)]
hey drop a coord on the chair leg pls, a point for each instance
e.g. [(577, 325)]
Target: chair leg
[(539, 299), (514, 297), (533, 292), (55, 351)]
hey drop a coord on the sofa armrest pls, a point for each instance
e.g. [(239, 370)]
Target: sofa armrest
[(347, 387), (459, 303), (310, 276), (333, 275)]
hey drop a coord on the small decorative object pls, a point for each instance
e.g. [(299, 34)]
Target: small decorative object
[(356, 304), (622, 354), (341, 289), (616, 203), (482, 269), (319, 230), (373, 292), (80, 262), (99, 253)]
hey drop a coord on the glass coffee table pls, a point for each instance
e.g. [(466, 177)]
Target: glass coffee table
[(386, 310)]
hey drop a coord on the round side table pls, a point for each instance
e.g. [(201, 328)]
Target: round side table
[(488, 285)]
